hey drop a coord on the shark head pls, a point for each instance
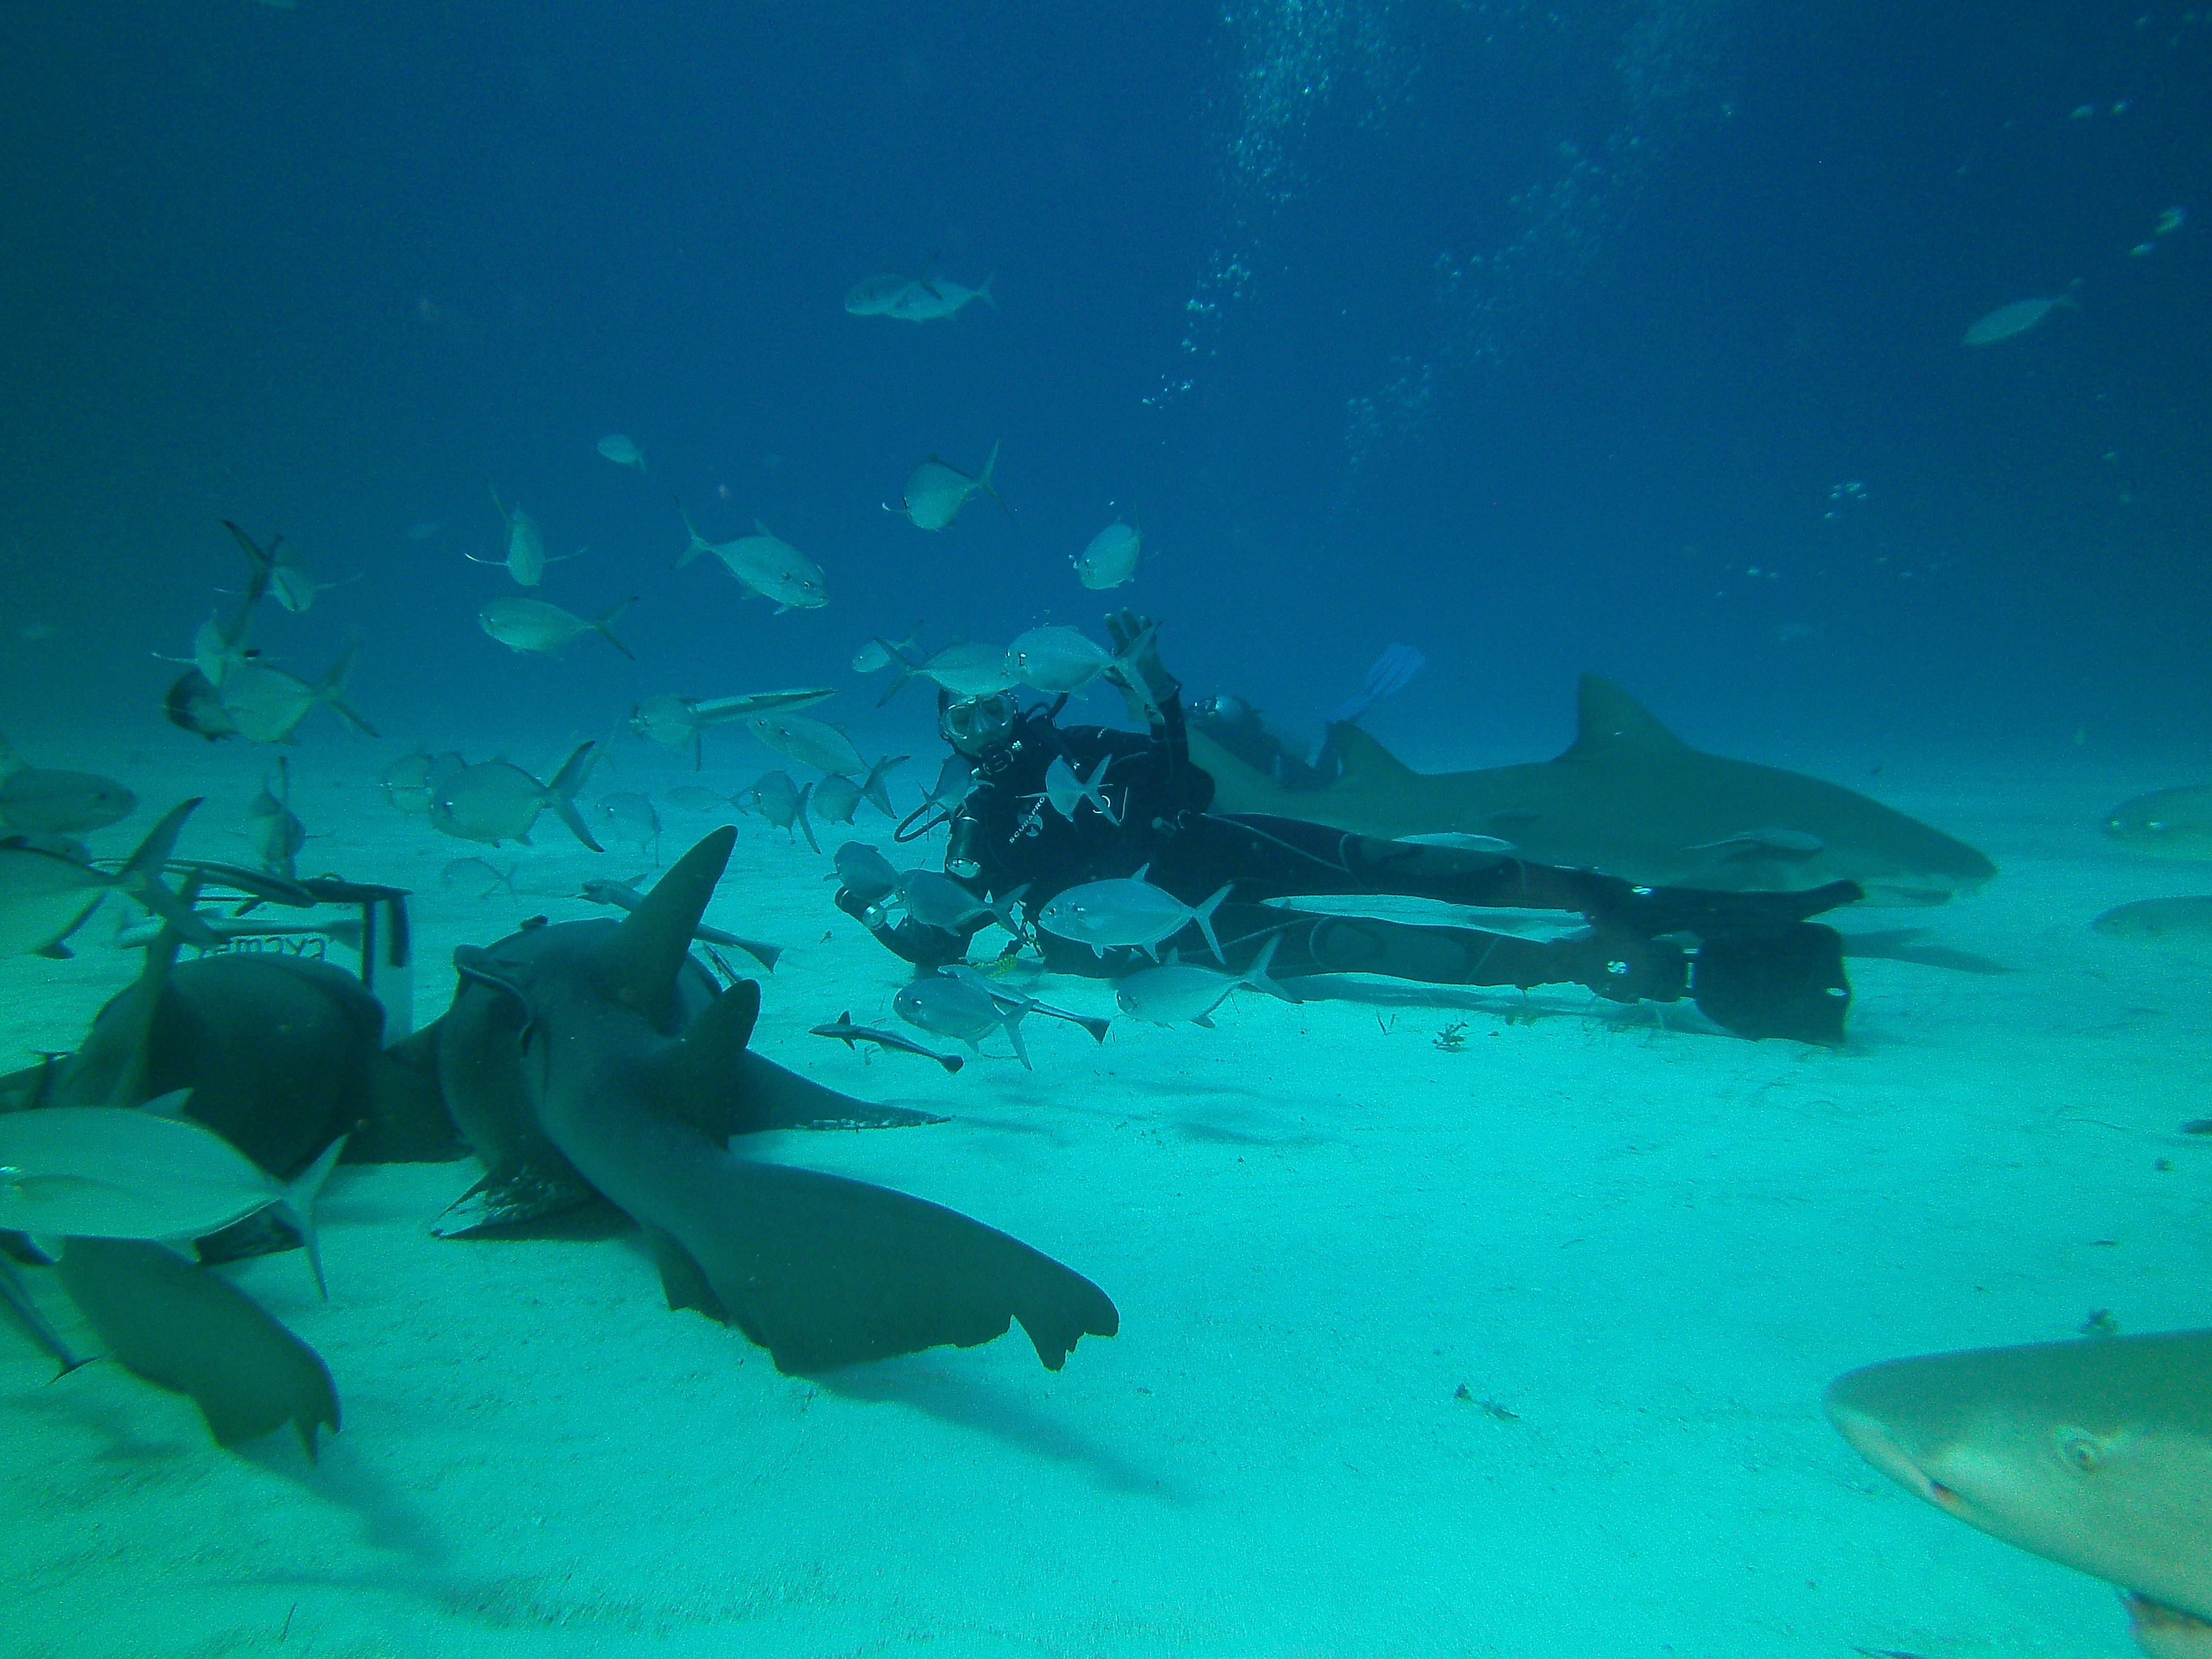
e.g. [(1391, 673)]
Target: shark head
[(2094, 1454)]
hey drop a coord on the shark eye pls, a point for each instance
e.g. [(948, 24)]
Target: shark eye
[(2080, 1447)]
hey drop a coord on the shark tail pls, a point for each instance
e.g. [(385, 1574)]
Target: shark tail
[(907, 666), (332, 687), (298, 1204), (807, 824), (983, 290), (874, 792), (604, 622), (1204, 917), (560, 794), (983, 478)]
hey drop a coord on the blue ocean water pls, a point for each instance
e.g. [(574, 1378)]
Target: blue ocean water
[(1624, 337)]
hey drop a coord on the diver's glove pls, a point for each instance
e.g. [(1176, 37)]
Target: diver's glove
[(1622, 968), (1651, 910), (1788, 983), (927, 948)]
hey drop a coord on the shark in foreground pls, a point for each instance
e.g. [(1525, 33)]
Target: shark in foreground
[(598, 1054), (2096, 1454), (1630, 799)]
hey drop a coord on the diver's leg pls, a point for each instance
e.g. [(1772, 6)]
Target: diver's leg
[(1287, 858), (1624, 970)]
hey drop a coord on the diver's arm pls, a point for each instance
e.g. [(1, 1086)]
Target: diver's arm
[(927, 948)]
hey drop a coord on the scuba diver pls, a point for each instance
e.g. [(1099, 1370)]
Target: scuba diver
[(1753, 963)]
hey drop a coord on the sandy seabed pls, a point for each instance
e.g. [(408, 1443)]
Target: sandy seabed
[(1515, 1348)]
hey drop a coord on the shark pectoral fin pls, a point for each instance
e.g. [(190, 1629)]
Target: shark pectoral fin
[(770, 1097), (681, 1280), (824, 1272), (508, 1197)]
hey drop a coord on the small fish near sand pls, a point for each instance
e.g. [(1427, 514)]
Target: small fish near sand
[(864, 872), (964, 669), (124, 1172), (945, 1007), (523, 553), (782, 803), (1066, 794), (935, 493), (527, 624), (1129, 912), (2167, 823), (1111, 557), (2095, 1453), (999, 991), (765, 563), (629, 818), (675, 721), (41, 801), (45, 895), (1175, 992), (617, 448), (278, 834), (2179, 926), (496, 801), (264, 704), (1054, 661), (2018, 318), (851, 1036), (406, 782), (624, 896), (482, 874)]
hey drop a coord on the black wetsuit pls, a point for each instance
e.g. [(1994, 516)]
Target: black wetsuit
[(1760, 968)]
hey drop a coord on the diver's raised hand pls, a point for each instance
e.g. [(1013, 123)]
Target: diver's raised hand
[(1146, 686)]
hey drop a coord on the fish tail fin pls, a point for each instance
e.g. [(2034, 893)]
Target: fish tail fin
[(561, 794), (983, 478), (807, 824), (907, 669), (334, 684), (1097, 1026), (874, 792), (698, 541), (141, 875), (299, 1206), (1012, 1021), (604, 622), (1003, 911), (1204, 917), (983, 290), (1256, 975)]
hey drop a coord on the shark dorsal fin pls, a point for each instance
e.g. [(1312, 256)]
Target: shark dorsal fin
[(707, 1066), (650, 942), (1366, 761), (1608, 721)]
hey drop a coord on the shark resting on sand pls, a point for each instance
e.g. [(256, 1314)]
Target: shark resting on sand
[(2096, 1454), (1633, 800), (588, 1058)]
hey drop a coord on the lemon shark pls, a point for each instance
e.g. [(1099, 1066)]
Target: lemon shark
[(597, 1052), (1630, 799), (2096, 1454)]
